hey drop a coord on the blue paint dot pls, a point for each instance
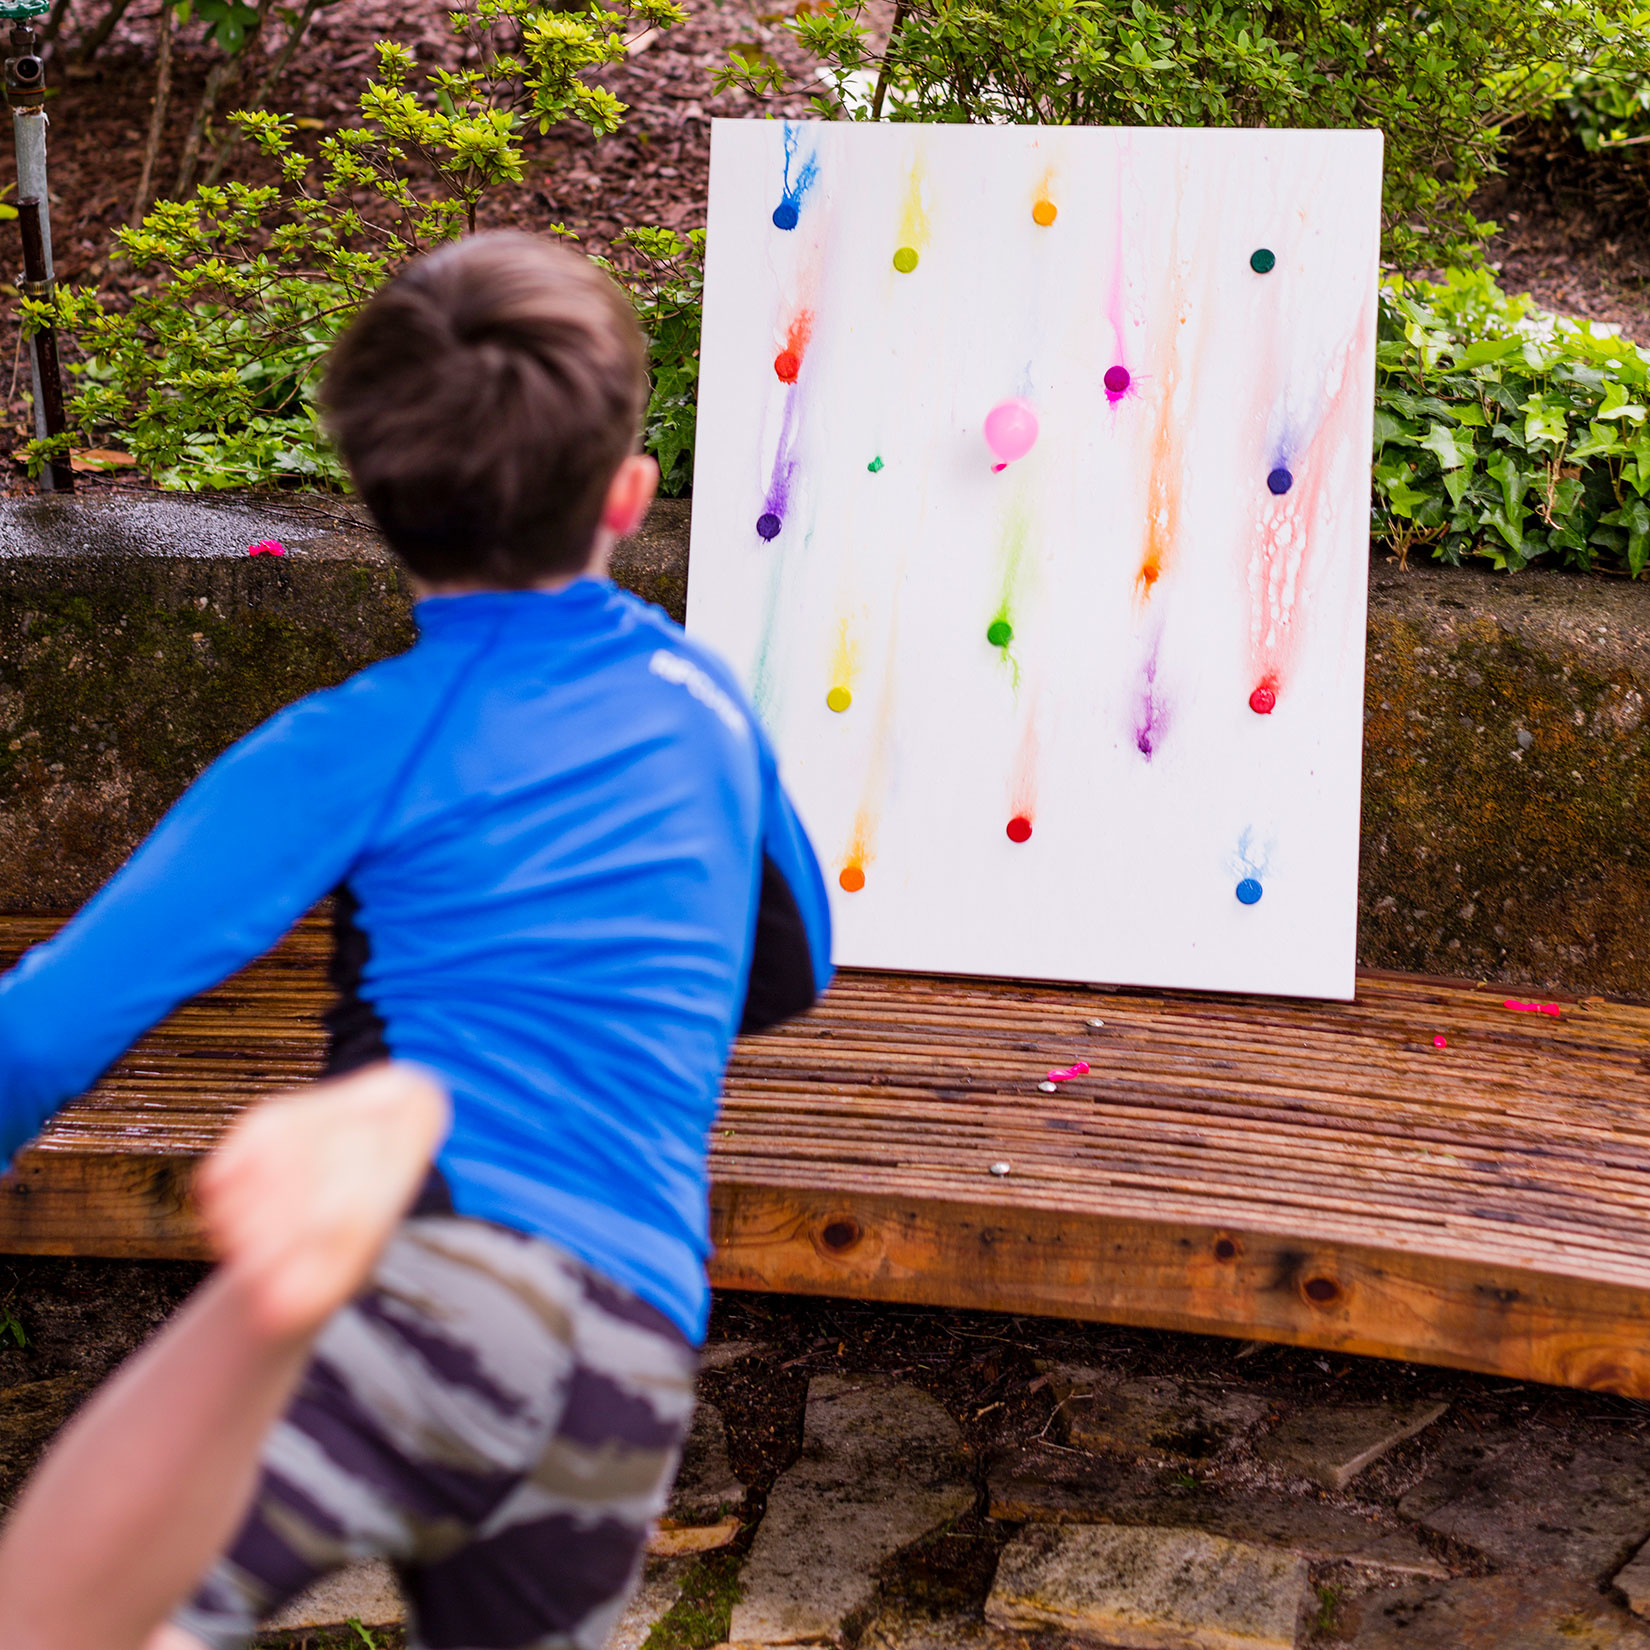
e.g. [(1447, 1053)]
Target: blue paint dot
[(1280, 480), (768, 524), (1249, 891), (785, 215)]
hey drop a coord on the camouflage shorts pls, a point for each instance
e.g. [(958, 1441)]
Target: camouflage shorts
[(497, 1420)]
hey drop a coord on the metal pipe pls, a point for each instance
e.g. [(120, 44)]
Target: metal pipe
[(48, 377), (26, 93)]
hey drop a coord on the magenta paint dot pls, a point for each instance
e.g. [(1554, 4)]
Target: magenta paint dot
[(768, 525), (1280, 480), (1263, 701), (1440, 1042), (1117, 380), (1019, 829)]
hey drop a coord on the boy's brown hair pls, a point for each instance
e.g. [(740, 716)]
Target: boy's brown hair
[(483, 401)]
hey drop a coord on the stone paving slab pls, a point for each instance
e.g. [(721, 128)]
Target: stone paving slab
[(1041, 1485), (661, 1586), (1160, 1589), (1534, 1501), (1332, 1443), (705, 1484), (366, 1592), (882, 1464), (1523, 1611), (1153, 1415), (1633, 1581)]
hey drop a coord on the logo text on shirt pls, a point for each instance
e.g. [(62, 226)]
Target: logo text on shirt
[(674, 668)]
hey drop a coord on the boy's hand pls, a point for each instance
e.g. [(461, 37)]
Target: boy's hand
[(306, 1189)]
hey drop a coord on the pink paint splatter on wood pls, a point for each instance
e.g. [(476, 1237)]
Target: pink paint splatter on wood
[(1533, 1008), (1066, 1073)]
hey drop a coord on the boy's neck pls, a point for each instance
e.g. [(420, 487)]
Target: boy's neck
[(595, 568)]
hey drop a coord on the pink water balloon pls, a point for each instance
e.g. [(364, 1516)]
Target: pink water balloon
[(1010, 430)]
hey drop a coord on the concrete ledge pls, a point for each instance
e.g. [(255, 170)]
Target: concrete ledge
[(1506, 764)]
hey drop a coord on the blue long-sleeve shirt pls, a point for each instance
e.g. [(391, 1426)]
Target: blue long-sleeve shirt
[(558, 839)]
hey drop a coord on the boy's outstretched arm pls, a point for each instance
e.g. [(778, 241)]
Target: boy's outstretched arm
[(267, 830), (791, 948), (151, 1478)]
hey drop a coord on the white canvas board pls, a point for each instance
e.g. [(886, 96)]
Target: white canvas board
[(873, 292)]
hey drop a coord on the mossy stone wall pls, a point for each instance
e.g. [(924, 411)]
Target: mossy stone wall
[(1506, 832)]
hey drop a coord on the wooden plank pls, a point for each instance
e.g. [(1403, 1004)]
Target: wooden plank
[(1316, 1173), (1504, 1320)]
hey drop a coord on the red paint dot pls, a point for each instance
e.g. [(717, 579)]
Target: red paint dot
[(787, 366), (1019, 829), (1263, 701)]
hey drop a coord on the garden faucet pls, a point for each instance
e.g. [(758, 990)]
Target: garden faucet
[(26, 93)]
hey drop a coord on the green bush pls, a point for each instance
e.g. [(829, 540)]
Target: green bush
[(1439, 80), (208, 372), (1605, 96), (1505, 433), (666, 283)]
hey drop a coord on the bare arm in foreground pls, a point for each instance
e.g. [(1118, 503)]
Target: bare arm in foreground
[(140, 1492)]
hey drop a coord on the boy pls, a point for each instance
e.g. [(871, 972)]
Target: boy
[(566, 876)]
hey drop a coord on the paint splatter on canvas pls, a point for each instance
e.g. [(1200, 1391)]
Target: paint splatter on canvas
[(1031, 500)]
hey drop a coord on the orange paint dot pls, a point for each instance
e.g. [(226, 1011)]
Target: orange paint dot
[(852, 879), (1149, 572), (787, 366), (1044, 213)]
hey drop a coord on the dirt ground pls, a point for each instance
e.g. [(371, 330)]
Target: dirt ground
[(653, 171), (1575, 234), (989, 1371)]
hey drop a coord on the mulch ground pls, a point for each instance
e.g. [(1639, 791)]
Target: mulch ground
[(654, 170), (1574, 233)]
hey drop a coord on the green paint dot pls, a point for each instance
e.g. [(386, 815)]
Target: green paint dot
[(999, 633), (1261, 261), (905, 260), (875, 465)]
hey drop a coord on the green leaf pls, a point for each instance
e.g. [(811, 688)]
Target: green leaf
[(1489, 349), (1453, 448)]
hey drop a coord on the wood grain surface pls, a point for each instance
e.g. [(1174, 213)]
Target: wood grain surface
[(1318, 1173)]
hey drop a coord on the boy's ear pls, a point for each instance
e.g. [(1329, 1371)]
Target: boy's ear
[(629, 493)]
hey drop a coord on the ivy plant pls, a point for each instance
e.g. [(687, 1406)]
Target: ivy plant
[(1505, 433)]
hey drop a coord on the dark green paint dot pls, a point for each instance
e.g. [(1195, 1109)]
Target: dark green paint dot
[(1262, 261), (999, 633), (875, 464)]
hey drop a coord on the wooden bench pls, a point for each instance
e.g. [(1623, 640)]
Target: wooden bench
[(1314, 1173)]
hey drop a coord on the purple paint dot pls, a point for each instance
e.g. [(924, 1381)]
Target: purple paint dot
[(1280, 480), (768, 525), (785, 215), (1117, 379)]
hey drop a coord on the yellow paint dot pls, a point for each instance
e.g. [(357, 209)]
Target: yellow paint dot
[(839, 698), (852, 879), (905, 260), (1044, 212)]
